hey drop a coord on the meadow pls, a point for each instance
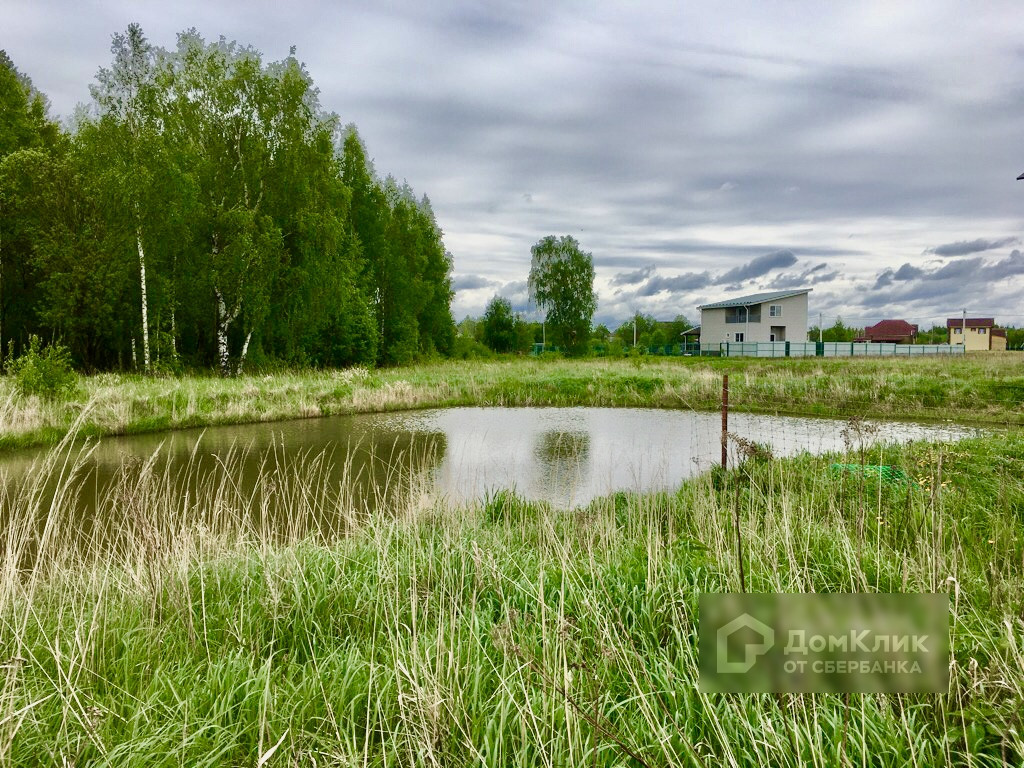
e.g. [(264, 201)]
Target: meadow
[(980, 388), (187, 624), (183, 629)]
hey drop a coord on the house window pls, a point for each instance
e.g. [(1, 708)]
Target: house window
[(775, 310), (743, 314), (957, 330), (739, 337), (981, 330)]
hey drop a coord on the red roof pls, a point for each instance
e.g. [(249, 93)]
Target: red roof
[(890, 329), (972, 322), (999, 332)]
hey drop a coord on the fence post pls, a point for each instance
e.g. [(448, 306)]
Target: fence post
[(725, 421)]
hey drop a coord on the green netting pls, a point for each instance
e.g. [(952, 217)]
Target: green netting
[(887, 473)]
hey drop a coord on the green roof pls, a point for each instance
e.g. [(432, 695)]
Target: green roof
[(754, 298)]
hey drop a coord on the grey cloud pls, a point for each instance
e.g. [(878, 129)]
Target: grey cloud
[(470, 282), (691, 281), (634, 277), (907, 272), (965, 247), (958, 280), (762, 265), (815, 275), (513, 287), (904, 273)]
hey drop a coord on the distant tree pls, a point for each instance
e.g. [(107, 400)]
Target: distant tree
[(937, 334), (562, 284), (24, 125), (525, 333), (500, 325), (675, 328), (601, 334), (24, 119), (645, 325), (838, 332)]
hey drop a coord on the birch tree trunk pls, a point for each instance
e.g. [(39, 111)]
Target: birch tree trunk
[(245, 349), (224, 321), (145, 301)]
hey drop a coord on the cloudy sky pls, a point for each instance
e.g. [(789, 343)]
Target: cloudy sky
[(865, 150)]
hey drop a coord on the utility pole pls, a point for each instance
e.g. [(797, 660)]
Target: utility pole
[(634, 329), (963, 330), (820, 321)]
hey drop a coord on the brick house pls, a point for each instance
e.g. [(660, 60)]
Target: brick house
[(890, 332)]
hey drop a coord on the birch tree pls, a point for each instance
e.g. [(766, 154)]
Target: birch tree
[(235, 124), (125, 96)]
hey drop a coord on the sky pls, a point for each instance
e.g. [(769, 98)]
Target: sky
[(868, 151)]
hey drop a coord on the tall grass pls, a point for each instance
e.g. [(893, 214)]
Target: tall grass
[(189, 625), (986, 387)]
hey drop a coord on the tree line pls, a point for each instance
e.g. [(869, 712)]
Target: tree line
[(206, 210)]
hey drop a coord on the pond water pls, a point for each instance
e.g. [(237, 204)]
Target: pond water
[(566, 456)]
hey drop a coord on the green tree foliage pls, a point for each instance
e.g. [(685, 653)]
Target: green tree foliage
[(24, 118), (406, 272), (43, 372), (838, 332), (937, 334), (500, 325), (209, 204), (25, 126), (645, 328), (562, 284)]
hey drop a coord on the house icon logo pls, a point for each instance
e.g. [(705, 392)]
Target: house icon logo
[(751, 651)]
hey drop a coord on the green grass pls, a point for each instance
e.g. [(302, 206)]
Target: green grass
[(179, 630), (985, 388)]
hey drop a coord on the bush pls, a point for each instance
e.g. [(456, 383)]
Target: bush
[(45, 372), (470, 349)]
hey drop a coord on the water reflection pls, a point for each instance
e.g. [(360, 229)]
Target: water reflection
[(322, 472), (279, 482), (563, 463)]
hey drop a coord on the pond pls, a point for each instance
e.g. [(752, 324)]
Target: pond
[(566, 456)]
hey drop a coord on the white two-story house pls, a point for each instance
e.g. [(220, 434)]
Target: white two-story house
[(774, 316)]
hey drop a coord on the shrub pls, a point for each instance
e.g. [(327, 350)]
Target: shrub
[(43, 371)]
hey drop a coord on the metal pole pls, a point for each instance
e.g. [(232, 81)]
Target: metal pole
[(963, 330), (820, 321), (725, 421)]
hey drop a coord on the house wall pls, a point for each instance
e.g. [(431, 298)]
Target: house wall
[(978, 339), (714, 330), (998, 343)]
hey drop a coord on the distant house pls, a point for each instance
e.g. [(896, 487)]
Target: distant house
[(890, 332), (976, 333), (774, 316)]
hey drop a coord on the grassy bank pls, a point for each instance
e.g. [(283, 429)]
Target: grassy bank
[(982, 388), (182, 631)]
